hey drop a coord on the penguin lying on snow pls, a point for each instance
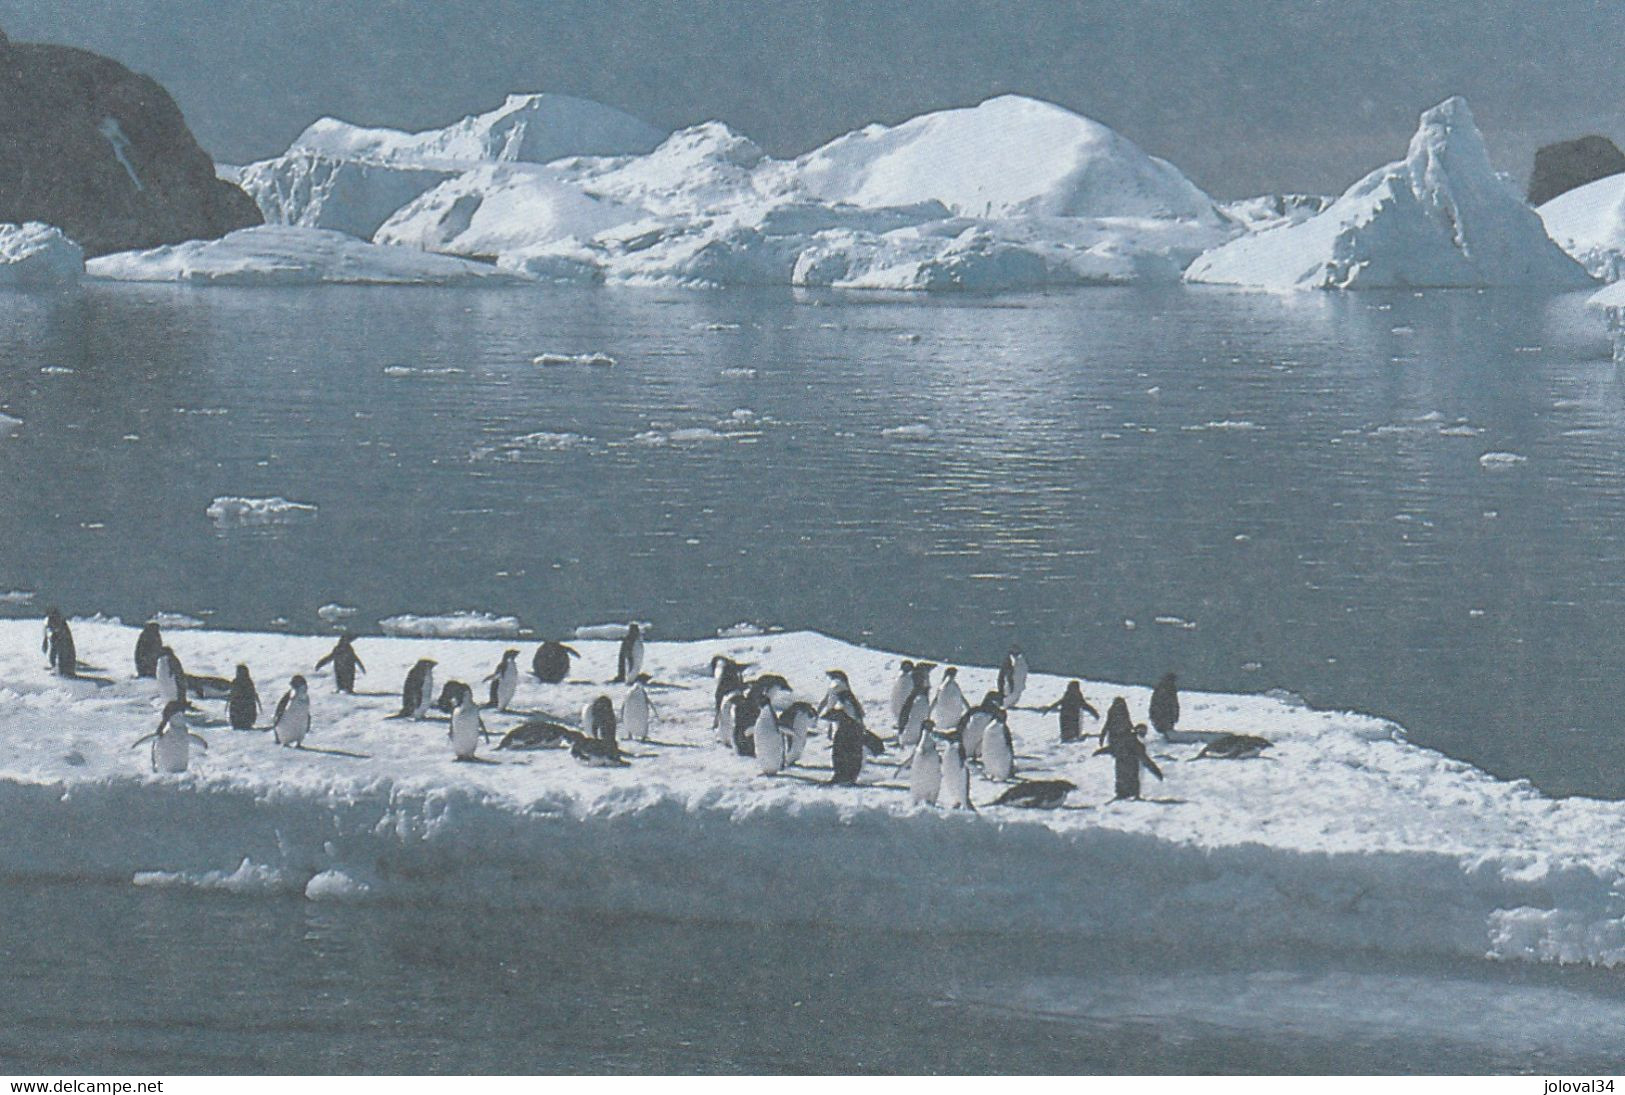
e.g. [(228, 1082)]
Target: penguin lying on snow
[(208, 688), (539, 734), (1234, 747), (1037, 794)]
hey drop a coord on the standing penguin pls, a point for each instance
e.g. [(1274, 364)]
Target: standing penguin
[(998, 750), (171, 676), (1127, 750), (727, 716), (243, 706), (798, 722), (850, 741), (551, 663), (598, 719), (467, 728), (1072, 705), (769, 741), (292, 720), (173, 740), (1013, 676), (729, 675), (925, 770), (840, 695), (57, 645), (148, 646), (901, 688), (637, 710), (1165, 705), (345, 663), (916, 708), (504, 680), (973, 727), (949, 706), (417, 694), (629, 662), (954, 792)]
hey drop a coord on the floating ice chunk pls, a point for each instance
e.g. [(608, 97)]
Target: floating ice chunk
[(609, 631), (716, 327), (248, 878), (9, 425), (739, 371), (230, 511), (56, 370), (17, 597), (744, 630), (917, 431), (335, 885), (1460, 430), (1176, 621), (697, 433), (417, 370), (35, 255), (176, 621), (1500, 461), (1239, 425), (652, 438), (540, 441), (597, 360), (452, 625), (333, 613)]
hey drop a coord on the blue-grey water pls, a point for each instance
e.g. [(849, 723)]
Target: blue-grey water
[(1259, 491)]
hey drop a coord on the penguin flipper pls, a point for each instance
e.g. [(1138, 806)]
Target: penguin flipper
[(142, 741), (199, 741)]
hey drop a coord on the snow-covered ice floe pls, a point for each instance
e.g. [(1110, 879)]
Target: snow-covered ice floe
[(275, 254), (1440, 217), (38, 256), (228, 511), (1350, 837), (595, 359), (467, 624)]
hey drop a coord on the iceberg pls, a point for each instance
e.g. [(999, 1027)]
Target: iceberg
[(38, 256), (314, 191), (285, 255), (1351, 838), (1441, 217), (1589, 224)]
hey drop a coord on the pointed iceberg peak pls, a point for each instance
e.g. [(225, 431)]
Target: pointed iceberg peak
[(1441, 217)]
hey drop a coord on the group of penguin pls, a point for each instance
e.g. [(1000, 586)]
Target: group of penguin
[(942, 735)]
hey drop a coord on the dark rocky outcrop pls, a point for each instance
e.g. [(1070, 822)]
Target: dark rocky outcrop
[(104, 154), (1561, 167)]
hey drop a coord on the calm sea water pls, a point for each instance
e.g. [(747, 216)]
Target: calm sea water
[(1255, 490)]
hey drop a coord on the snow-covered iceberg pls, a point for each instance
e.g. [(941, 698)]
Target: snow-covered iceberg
[(315, 191), (38, 256), (1589, 223), (1441, 217), (276, 254), (533, 128), (1350, 837)]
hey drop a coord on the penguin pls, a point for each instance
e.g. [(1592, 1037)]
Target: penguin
[(729, 675), (551, 663), (849, 742), (1013, 676), (598, 719), (728, 717), (1121, 739), (629, 662), (504, 680), (595, 753), (539, 733), (954, 792), (901, 689), (208, 688), (1071, 706), (949, 706), (771, 690), (973, 726), (243, 708), (417, 694), (798, 722), (1234, 747), (148, 646), (292, 720), (915, 710), (746, 709), (998, 751), (57, 646), (637, 710), (1165, 705), (467, 728), (173, 740), (1037, 794), (345, 662), (925, 770), (450, 692), (769, 741), (171, 677), (840, 695)]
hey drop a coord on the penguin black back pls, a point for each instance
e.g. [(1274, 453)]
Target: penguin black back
[(148, 646), (243, 706)]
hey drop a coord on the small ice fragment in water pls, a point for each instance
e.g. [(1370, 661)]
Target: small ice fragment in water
[(1176, 621), (596, 360), (335, 885), (56, 370), (1499, 461), (333, 613), (8, 424), (739, 370), (910, 337), (231, 510), (917, 431), (17, 597), (177, 621), (742, 630), (1129, 624)]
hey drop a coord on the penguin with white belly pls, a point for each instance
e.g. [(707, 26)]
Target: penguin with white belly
[(171, 677), (598, 719), (916, 709), (949, 706), (998, 751), (629, 661), (467, 728), (729, 675), (954, 792), (769, 741), (417, 693), (798, 721), (292, 720), (1013, 676), (925, 771), (173, 740), (840, 695), (976, 721), (504, 680), (637, 710), (901, 689)]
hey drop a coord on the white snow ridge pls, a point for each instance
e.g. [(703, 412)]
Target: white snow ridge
[(1441, 217)]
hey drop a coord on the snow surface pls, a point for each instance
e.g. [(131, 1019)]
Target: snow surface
[(1440, 217), (35, 255), (1589, 223), (533, 128), (1349, 837), (283, 255)]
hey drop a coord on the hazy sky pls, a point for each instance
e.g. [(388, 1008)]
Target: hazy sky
[(1244, 95)]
